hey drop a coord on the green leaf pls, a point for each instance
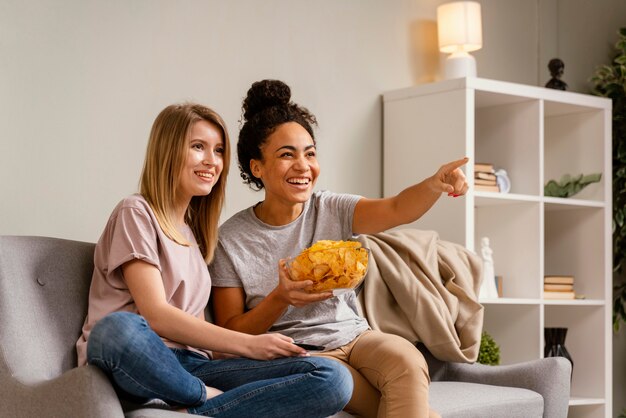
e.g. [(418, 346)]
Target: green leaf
[(570, 185)]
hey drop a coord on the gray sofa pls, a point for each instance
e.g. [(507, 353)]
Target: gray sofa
[(44, 284)]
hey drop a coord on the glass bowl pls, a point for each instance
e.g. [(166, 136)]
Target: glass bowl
[(339, 269)]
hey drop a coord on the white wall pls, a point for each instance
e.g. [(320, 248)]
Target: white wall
[(582, 33), (82, 80)]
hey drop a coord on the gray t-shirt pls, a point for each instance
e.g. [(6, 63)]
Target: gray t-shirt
[(248, 253)]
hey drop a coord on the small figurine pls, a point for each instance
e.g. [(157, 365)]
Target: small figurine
[(556, 68), (488, 289), (503, 181)]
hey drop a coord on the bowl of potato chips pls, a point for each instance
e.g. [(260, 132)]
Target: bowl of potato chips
[(339, 266)]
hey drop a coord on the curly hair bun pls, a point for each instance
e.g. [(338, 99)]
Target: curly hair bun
[(265, 94)]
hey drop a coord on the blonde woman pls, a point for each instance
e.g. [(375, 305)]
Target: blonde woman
[(145, 325)]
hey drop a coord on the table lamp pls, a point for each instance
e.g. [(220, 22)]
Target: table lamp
[(459, 28)]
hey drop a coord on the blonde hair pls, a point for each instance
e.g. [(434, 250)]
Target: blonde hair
[(165, 157)]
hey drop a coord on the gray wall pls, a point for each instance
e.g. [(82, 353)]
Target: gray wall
[(82, 80)]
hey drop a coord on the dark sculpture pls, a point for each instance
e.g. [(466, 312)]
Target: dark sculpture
[(556, 67)]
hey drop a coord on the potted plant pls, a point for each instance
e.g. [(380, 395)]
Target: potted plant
[(489, 351), (610, 81)]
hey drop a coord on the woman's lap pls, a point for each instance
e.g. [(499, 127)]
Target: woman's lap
[(252, 387)]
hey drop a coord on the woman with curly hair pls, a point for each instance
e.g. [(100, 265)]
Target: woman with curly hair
[(253, 292)]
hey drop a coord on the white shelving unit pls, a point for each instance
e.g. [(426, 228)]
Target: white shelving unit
[(536, 134)]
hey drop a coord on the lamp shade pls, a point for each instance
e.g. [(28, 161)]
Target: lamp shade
[(459, 27)]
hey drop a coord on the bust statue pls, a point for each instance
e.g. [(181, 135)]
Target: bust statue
[(556, 67)]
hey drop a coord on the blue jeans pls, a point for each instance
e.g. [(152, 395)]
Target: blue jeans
[(142, 367)]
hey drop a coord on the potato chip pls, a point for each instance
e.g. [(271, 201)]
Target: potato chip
[(330, 265)]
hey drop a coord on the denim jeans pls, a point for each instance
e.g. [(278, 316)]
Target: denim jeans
[(142, 367)]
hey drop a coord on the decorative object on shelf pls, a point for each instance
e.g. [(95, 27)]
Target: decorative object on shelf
[(488, 288), (502, 178), (459, 28), (499, 284), (568, 186), (489, 351), (485, 178), (558, 287), (610, 81), (555, 344), (556, 67)]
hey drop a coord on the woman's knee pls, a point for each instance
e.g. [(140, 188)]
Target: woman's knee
[(394, 358), (336, 383), (113, 333), (410, 359)]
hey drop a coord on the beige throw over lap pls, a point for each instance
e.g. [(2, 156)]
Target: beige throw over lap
[(425, 290)]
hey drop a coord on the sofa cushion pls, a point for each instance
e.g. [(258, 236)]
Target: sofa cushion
[(44, 284), (473, 400)]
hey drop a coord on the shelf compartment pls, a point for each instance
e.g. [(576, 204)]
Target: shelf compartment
[(585, 341), (515, 328), (513, 231), (574, 144), (575, 245), (508, 136)]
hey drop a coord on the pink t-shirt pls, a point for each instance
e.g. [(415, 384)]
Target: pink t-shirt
[(133, 232)]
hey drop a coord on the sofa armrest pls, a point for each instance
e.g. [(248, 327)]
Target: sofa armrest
[(550, 377), (80, 392)]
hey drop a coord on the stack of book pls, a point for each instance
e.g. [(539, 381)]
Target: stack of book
[(558, 287), (485, 178)]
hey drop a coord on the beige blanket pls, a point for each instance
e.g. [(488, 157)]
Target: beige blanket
[(424, 289)]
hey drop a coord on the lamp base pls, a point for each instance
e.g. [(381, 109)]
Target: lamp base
[(459, 65)]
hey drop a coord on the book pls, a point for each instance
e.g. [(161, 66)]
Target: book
[(484, 167), (484, 176), (558, 287), (486, 188), (558, 295), (558, 279), (485, 182)]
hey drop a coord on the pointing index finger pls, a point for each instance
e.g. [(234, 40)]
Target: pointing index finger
[(451, 166)]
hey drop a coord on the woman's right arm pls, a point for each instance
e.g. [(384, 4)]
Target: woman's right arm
[(145, 284), (229, 304)]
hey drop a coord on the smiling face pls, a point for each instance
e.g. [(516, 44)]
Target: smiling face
[(289, 168), (203, 163)]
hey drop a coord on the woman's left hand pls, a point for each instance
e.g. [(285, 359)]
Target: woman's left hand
[(450, 179)]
